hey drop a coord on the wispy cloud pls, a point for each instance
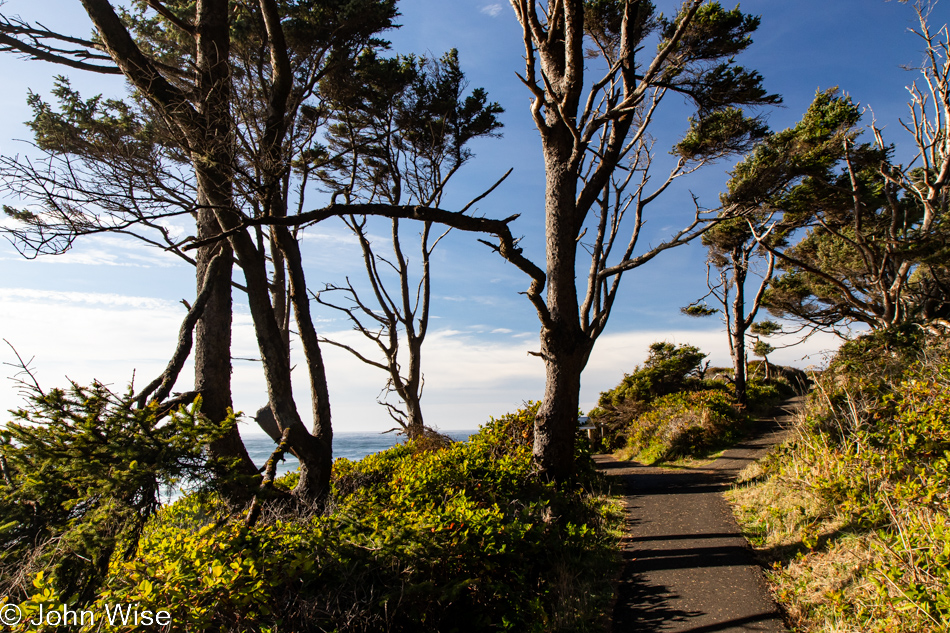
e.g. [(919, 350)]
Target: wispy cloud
[(492, 10), (111, 250), (85, 298)]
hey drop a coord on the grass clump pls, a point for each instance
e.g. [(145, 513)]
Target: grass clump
[(427, 536), (851, 515)]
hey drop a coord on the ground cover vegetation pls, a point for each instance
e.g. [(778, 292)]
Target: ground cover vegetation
[(850, 516), (676, 407), (431, 535)]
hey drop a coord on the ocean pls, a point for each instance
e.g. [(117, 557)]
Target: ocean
[(349, 445)]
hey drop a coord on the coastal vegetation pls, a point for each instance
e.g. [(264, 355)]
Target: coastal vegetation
[(234, 107), (429, 535), (850, 516), (674, 407)]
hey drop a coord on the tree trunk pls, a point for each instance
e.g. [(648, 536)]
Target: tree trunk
[(563, 345), (739, 326), (212, 163), (322, 432), (412, 392), (311, 451), (213, 351), (555, 427)]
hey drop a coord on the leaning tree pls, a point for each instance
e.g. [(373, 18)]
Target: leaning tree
[(219, 90), (778, 163), (235, 131), (874, 248)]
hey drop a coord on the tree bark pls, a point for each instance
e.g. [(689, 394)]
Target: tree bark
[(564, 347), (311, 451), (739, 324), (213, 164), (322, 433)]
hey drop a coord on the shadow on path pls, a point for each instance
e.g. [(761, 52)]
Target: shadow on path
[(687, 568)]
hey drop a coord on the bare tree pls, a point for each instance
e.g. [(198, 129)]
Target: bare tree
[(419, 111), (598, 159), (400, 322), (731, 258)]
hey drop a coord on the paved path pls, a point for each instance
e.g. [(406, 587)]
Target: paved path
[(686, 566)]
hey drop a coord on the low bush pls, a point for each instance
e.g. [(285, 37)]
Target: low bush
[(82, 473), (685, 424), (457, 537), (667, 410)]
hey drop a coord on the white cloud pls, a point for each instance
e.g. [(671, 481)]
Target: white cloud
[(346, 238), (468, 377), (111, 250), (90, 298), (492, 10)]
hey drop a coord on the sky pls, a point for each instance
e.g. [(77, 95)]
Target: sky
[(109, 309)]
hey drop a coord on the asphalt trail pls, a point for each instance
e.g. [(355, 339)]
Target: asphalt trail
[(687, 568)]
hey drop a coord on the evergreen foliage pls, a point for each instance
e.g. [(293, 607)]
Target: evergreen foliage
[(83, 471)]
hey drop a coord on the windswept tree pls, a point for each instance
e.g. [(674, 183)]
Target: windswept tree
[(875, 244), (230, 95), (599, 155), (732, 252), (420, 108), (777, 163), (184, 63)]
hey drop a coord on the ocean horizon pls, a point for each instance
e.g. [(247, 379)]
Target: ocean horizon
[(352, 445)]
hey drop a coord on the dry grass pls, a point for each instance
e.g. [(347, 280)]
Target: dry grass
[(827, 574)]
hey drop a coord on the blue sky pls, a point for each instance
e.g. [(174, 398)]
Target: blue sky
[(110, 306)]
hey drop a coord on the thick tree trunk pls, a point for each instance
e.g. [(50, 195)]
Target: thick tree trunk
[(411, 394), (555, 427), (415, 424), (213, 350), (739, 361), (212, 162), (563, 345)]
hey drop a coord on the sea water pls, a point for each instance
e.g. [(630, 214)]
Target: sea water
[(352, 446)]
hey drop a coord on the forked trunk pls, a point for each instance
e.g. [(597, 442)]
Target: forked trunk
[(213, 356)]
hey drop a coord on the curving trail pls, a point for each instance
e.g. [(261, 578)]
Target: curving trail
[(687, 568)]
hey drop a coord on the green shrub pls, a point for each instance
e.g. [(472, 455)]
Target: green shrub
[(668, 368), (873, 452), (457, 537), (82, 473), (685, 424), (666, 410)]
